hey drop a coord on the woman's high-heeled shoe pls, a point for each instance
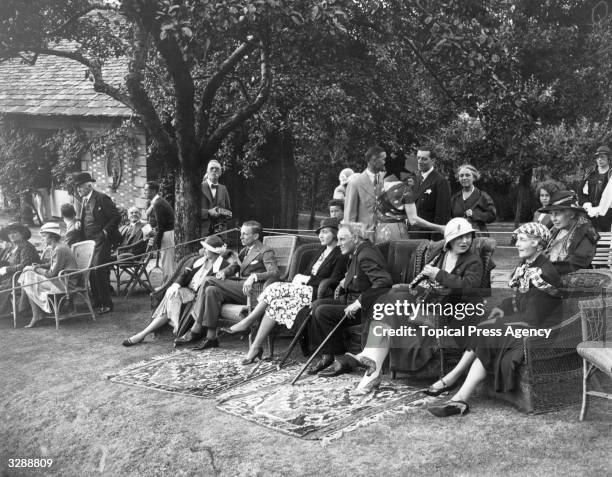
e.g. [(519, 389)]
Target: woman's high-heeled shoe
[(368, 388), (129, 342), (430, 391), (257, 357), (228, 331)]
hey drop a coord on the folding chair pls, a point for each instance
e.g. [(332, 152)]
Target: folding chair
[(135, 268)]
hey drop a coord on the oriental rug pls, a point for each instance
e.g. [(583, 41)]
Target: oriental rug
[(194, 373), (315, 407)]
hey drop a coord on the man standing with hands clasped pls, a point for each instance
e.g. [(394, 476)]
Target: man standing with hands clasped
[(99, 222), (216, 206)]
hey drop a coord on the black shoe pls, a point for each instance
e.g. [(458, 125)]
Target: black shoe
[(430, 391), (361, 362), (188, 338), (340, 366), (450, 408), (129, 342), (320, 365), (208, 343)]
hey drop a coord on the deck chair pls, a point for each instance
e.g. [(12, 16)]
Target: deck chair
[(596, 346), (135, 268), (83, 253)]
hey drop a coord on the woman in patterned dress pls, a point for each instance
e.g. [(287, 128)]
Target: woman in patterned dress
[(280, 302)]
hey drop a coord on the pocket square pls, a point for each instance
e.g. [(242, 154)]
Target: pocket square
[(428, 191), (254, 262)]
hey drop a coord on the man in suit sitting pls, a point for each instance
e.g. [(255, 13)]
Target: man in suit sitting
[(99, 222), (432, 194), (216, 206), (132, 238), (257, 264), (366, 279), (362, 191)]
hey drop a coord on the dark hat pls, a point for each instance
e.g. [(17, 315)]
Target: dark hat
[(82, 178), (328, 223), (602, 150), (562, 200), (17, 227)]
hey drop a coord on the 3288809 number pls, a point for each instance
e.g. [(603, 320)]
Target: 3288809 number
[(30, 462)]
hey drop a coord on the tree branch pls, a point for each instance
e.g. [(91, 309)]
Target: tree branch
[(214, 83), (85, 11), (217, 137)]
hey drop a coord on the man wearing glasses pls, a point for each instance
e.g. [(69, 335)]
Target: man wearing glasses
[(216, 206)]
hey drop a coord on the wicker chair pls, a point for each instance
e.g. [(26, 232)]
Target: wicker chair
[(595, 347), (603, 251)]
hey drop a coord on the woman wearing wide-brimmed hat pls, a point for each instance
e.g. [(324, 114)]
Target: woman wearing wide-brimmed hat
[(40, 281), (573, 237), (185, 287), (281, 302), (21, 254)]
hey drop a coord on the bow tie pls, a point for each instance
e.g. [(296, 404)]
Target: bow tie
[(214, 186)]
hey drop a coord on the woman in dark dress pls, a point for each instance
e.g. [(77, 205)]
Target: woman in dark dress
[(536, 304), (470, 202), (454, 275), (21, 254), (545, 191), (573, 240), (281, 302)]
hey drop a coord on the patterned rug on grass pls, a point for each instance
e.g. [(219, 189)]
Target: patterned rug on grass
[(196, 373), (316, 408)]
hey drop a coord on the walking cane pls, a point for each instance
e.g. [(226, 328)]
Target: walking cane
[(344, 317), (294, 341)]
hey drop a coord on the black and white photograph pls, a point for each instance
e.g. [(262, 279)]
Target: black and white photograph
[(305, 237)]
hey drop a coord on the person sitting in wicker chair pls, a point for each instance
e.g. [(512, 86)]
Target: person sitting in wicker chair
[(185, 288), (573, 239), (40, 281), (536, 304), (454, 275)]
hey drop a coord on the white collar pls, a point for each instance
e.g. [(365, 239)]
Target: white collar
[(426, 173), (87, 197), (210, 183), (372, 175)]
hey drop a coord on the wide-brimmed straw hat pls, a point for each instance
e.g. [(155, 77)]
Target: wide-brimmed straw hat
[(22, 229), (562, 200), (214, 244), (330, 223)]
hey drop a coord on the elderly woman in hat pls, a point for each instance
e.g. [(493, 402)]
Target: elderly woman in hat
[(573, 238), (536, 304), (453, 275), (344, 177), (281, 302), (185, 288), (39, 281), (20, 254)]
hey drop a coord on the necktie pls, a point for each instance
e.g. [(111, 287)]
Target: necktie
[(214, 186)]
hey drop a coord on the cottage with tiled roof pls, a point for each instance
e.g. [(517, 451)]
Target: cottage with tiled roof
[(56, 93)]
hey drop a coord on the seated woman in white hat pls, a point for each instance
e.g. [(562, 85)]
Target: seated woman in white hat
[(40, 280), (185, 288)]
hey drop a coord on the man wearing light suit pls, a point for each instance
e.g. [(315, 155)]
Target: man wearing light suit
[(257, 264), (363, 190), (432, 194), (215, 201)]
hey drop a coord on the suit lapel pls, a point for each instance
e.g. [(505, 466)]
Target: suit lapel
[(425, 184), (251, 255), (207, 192)]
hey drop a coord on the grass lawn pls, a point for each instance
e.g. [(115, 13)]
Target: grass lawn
[(56, 403)]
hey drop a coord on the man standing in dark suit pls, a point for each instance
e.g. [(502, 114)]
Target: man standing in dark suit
[(366, 279), (432, 194), (216, 206), (161, 218), (99, 222), (257, 265)]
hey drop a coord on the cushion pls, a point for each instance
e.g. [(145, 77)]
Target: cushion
[(597, 353)]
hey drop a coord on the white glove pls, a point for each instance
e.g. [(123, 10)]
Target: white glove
[(174, 287), (593, 211), (2, 270)]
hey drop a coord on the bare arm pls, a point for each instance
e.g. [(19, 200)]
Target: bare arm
[(414, 219)]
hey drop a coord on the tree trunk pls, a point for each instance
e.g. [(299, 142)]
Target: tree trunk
[(187, 210), (523, 193), (288, 183), (314, 191)]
